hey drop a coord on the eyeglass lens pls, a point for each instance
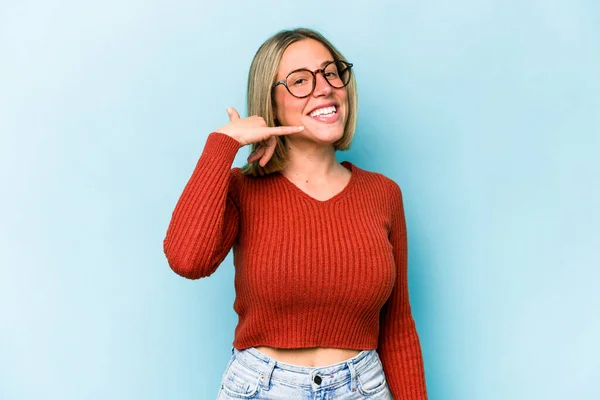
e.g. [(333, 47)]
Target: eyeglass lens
[(300, 83)]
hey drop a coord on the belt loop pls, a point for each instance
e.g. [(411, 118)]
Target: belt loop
[(353, 376), (266, 376)]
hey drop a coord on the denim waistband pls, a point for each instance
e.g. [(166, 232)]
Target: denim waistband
[(302, 376)]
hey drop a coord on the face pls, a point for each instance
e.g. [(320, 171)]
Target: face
[(289, 110)]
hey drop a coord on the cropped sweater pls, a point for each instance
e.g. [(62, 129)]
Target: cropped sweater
[(308, 273)]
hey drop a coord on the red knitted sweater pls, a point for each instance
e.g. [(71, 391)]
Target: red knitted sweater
[(308, 273)]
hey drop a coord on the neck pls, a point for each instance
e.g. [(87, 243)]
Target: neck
[(310, 161)]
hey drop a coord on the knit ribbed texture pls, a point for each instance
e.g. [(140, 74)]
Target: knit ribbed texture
[(308, 273)]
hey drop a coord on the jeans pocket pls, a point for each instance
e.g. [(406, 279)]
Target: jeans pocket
[(372, 380), (239, 381)]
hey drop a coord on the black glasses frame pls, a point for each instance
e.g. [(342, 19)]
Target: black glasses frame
[(347, 65)]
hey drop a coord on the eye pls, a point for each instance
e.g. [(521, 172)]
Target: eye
[(299, 78), (331, 74)]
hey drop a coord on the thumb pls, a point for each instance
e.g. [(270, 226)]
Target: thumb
[(233, 114)]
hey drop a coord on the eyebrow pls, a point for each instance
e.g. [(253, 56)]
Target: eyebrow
[(321, 66)]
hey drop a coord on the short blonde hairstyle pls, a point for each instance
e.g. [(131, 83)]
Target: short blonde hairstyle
[(262, 76)]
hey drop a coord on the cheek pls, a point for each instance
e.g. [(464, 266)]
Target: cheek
[(289, 110)]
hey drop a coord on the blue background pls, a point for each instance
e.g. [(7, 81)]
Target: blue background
[(485, 112)]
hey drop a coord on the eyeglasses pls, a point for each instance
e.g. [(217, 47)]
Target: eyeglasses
[(302, 82)]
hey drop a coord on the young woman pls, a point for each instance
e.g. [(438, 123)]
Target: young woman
[(320, 247)]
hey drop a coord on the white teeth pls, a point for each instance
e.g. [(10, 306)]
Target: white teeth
[(324, 110)]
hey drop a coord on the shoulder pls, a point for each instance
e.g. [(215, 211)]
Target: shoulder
[(236, 173), (241, 182), (241, 179), (390, 186)]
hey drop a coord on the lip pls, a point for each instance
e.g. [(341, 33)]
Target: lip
[(333, 103), (326, 120)]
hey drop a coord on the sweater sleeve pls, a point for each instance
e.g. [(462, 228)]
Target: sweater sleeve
[(204, 224), (399, 347)]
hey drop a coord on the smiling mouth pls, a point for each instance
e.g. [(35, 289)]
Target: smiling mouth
[(324, 113)]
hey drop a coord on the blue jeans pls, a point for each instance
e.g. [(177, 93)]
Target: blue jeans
[(252, 374)]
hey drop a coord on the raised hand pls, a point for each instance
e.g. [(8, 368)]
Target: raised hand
[(254, 129)]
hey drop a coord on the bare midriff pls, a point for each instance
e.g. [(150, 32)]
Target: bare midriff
[(310, 356)]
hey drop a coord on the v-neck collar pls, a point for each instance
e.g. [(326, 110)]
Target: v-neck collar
[(347, 164)]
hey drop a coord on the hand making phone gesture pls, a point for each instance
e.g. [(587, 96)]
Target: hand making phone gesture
[(254, 129)]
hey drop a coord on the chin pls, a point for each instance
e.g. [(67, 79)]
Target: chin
[(325, 135), (324, 132)]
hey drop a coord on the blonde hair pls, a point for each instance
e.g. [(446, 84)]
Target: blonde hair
[(262, 75)]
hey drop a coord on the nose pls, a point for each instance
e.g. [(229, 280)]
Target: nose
[(322, 87)]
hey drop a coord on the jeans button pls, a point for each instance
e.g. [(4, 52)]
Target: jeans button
[(318, 380)]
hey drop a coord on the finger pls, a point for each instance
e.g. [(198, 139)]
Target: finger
[(268, 153), (263, 133), (256, 154), (233, 114)]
